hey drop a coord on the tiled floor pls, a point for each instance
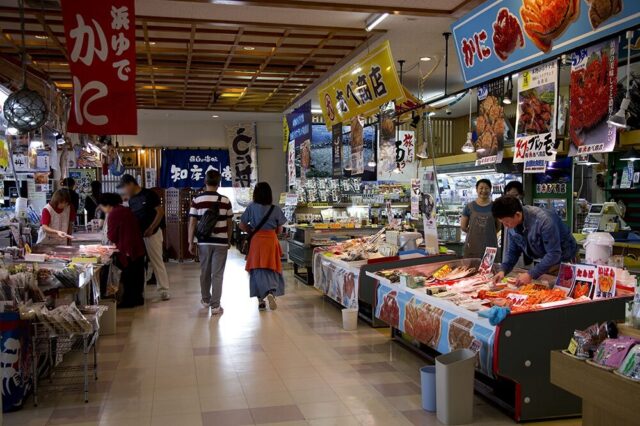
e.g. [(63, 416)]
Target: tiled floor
[(171, 364)]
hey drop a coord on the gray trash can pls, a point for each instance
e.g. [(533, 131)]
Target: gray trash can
[(428, 383), (454, 386)]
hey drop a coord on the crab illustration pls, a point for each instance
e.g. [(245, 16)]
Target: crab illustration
[(601, 10), (546, 20)]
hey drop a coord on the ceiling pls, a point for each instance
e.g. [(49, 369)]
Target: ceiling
[(236, 55)]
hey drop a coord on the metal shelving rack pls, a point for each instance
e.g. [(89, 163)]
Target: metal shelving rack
[(50, 343)]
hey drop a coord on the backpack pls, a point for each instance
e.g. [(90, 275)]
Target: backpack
[(208, 221)]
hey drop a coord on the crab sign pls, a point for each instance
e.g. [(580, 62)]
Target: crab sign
[(546, 20)]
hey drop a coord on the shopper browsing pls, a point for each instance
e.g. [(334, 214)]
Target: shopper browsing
[(478, 222), (537, 233), (91, 202), (123, 231), (263, 221), (147, 208), (210, 228), (57, 219)]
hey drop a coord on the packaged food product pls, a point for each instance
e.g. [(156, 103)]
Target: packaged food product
[(584, 342), (630, 367), (612, 352)]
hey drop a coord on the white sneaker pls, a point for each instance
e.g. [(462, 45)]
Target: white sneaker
[(165, 296), (271, 299), (217, 311)]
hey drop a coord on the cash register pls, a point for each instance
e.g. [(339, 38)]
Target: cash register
[(605, 217)]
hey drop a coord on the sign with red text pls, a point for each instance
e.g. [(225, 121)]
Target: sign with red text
[(536, 114), (101, 41)]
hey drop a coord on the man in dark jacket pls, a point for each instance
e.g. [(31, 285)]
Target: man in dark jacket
[(534, 232)]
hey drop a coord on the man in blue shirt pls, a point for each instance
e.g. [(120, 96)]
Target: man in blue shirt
[(534, 232)]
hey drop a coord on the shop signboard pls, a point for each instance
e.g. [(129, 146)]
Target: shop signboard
[(336, 150), (490, 123), (186, 168), (291, 163), (503, 36), (536, 114), (362, 89), (592, 91), (101, 41), (534, 166), (299, 123), (243, 154)]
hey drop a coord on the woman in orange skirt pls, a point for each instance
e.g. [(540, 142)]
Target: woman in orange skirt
[(263, 221)]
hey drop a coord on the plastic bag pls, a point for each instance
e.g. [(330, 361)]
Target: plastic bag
[(113, 280)]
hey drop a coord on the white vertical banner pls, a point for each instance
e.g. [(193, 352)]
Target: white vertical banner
[(243, 154)]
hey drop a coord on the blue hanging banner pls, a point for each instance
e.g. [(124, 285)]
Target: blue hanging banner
[(185, 168), (503, 36)]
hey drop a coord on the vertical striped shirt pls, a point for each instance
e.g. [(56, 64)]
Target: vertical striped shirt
[(206, 200)]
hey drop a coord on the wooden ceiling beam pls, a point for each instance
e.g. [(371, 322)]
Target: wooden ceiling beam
[(188, 66), (226, 65), (149, 61)]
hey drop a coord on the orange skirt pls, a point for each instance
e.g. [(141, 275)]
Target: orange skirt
[(264, 252)]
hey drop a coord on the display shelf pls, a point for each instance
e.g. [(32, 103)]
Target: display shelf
[(607, 399)]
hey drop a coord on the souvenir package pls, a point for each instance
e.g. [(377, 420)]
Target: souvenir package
[(630, 367), (612, 352), (584, 342)]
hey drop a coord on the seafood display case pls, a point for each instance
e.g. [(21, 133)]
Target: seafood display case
[(438, 315)]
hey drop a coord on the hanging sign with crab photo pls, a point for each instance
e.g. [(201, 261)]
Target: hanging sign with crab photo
[(490, 123), (592, 90), (503, 36), (536, 114)]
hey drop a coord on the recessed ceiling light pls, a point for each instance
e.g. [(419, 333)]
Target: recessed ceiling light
[(42, 36), (425, 58), (152, 43), (249, 48), (215, 116)]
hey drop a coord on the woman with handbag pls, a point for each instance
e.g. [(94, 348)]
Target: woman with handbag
[(263, 221)]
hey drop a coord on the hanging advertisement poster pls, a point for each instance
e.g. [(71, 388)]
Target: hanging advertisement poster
[(415, 198), (536, 114), (101, 41), (243, 154), (186, 168), (150, 178), (430, 224), (291, 163), (357, 146), (500, 37), (362, 89), (299, 122), (4, 154), (386, 142), (285, 134), (336, 150), (592, 90), (490, 123)]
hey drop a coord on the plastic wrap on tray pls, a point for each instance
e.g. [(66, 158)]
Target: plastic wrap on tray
[(68, 277)]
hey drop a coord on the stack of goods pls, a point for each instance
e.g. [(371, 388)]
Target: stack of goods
[(65, 320), (19, 285), (601, 346), (327, 190)]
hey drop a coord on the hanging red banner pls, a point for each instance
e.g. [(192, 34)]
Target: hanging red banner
[(101, 42)]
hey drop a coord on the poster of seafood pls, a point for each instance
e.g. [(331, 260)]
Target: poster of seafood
[(566, 277), (500, 37), (488, 259), (299, 122), (536, 114), (434, 326), (584, 282), (357, 146), (490, 123), (606, 282), (337, 281), (336, 150), (592, 90), (291, 163)]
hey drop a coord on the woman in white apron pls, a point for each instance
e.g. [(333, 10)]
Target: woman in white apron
[(57, 220)]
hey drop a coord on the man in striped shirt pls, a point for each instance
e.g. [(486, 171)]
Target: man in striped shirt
[(213, 249)]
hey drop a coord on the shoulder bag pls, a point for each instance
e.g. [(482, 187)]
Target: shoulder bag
[(246, 244)]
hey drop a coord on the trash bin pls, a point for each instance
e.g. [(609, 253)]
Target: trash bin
[(428, 383), (454, 386), (350, 319)]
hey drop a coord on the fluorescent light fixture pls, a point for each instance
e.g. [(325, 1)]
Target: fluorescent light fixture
[(42, 36), (371, 164), (443, 101), (372, 21), (631, 155), (152, 43), (215, 116), (249, 48), (433, 97), (425, 58), (316, 111)]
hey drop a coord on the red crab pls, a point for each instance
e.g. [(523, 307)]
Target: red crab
[(507, 34), (546, 20)]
